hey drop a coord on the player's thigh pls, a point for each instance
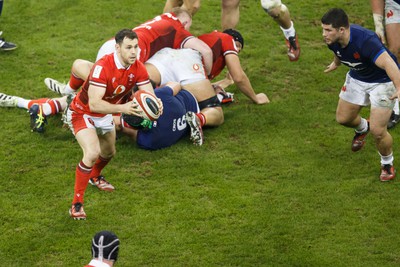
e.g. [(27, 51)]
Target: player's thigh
[(107, 144), (81, 68), (393, 38), (89, 142), (201, 90), (346, 112)]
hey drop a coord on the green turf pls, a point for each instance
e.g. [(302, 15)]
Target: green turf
[(275, 185)]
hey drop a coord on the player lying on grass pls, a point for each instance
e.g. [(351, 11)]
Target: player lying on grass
[(185, 66), (226, 47), (180, 65)]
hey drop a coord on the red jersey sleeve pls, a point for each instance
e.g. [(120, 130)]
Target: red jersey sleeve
[(142, 74), (221, 44)]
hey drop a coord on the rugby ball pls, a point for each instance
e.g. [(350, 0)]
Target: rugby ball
[(148, 104)]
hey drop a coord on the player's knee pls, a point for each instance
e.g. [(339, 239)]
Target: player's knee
[(274, 8), (271, 4), (342, 120), (81, 67), (221, 117), (92, 155), (78, 63), (110, 154), (214, 116), (378, 133)]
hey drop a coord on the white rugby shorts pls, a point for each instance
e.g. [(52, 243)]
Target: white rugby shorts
[(364, 94), (179, 65), (78, 121), (392, 12)]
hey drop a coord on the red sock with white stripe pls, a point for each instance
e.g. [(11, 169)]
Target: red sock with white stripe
[(52, 107), (74, 84), (49, 106), (82, 175)]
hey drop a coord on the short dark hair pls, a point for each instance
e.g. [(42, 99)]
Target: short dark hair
[(336, 17), (236, 36), (125, 33)]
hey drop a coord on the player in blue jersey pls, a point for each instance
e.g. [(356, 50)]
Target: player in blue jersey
[(178, 119), (373, 79)]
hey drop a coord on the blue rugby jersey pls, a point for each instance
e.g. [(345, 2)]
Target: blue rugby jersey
[(171, 125), (360, 54)]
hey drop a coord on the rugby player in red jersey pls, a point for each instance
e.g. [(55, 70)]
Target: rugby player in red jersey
[(226, 47), (89, 116)]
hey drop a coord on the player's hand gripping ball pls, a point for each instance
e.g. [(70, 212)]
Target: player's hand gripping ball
[(148, 104)]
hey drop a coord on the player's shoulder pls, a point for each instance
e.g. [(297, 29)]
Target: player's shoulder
[(364, 39), (106, 61), (359, 33)]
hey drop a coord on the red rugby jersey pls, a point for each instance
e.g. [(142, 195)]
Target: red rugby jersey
[(108, 73), (221, 44), (162, 31)]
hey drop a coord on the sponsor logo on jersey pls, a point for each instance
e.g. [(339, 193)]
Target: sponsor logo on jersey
[(356, 55), (351, 65), (97, 71), (119, 90), (131, 76)]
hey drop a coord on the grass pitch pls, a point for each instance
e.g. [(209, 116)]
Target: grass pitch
[(276, 185)]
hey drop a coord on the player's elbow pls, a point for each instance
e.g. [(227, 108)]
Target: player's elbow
[(94, 107), (238, 78)]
